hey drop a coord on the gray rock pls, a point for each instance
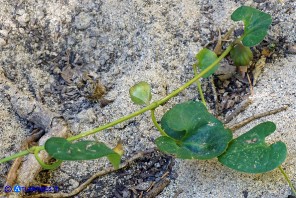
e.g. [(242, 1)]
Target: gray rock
[(82, 21), (87, 116), (23, 19), (74, 184), (40, 14), (2, 42), (4, 33)]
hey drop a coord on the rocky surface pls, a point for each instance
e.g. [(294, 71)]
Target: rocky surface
[(73, 56)]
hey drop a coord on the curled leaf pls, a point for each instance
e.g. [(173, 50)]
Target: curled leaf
[(251, 154), (256, 24), (140, 93)]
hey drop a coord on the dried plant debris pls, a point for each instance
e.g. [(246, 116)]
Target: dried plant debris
[(146, 176), (229, 92), (81, 83), (142, 177)]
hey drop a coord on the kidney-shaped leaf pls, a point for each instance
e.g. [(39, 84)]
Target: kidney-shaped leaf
[(193, 132), (205, 58), (62, 149), (256, 24), (249, 153)]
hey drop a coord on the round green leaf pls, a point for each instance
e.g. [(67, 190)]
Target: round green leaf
[(140, 93), (241, 55), (249, 153), (62, 149), (205, 58), (256, 24), (193, 132)]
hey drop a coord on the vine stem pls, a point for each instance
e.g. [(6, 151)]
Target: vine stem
[(122, 119), (156, 103), (20, 154), (156, 124), (198, 84), (288, 180)]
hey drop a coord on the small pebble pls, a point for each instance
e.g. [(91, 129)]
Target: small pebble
[(143, 186), (74, 184), (23, 19), (4, 33), (87, 116), (230, 103), (82, 21), (39, 14), (221, 91), (291, 49), (2, 42), (226, 83), (238, 84)]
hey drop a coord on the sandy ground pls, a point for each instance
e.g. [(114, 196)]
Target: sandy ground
[(121, 43)]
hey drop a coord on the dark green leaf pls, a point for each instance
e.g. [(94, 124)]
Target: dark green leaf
[(62, 149), (140, 93), (256, 24), (170, 146), (205, 58), (193, 132), (249, 153), (241, 55)]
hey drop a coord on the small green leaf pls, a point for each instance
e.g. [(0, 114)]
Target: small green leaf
[(115, 158), (205, 58), (256, 24), (241, 55), (249, 153), (140, 93), (62, 149), (193, 132)]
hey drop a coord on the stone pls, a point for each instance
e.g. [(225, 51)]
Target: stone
[(4, 33), (23, 19), (82, 21), (2, 42)]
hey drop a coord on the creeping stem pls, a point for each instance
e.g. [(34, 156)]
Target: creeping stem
[(154, 104), (46, 166), (199, 86), (132, 115), (20, 154), (156, 124)]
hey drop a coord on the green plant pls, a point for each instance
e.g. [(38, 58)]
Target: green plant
[(188, 130)]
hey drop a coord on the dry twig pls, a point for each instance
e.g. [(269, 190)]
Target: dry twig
[(257, 116)]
